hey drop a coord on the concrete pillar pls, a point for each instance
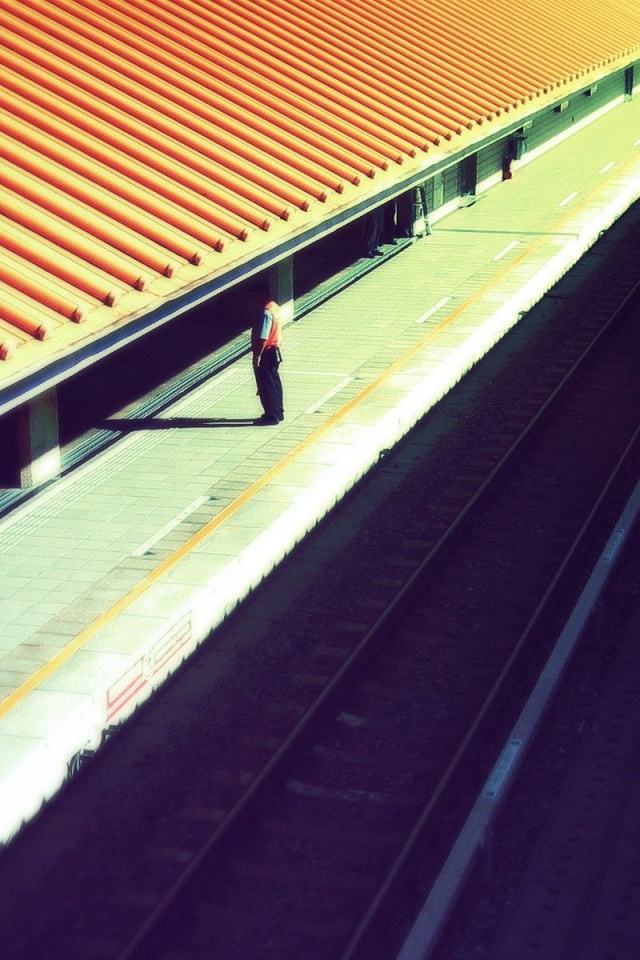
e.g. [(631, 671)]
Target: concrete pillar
[(469, 175), (438, 190), (38, 440), (281, 283), (629, 82)]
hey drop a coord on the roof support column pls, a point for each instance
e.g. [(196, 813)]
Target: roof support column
[(281, 284), (438, 189), (469, 176), (38, 440)]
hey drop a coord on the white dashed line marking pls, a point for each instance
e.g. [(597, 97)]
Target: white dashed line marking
[(430, 313), (327, 396), (509, 247), (168, 527)]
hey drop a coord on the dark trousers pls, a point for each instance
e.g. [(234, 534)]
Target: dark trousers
[(372, 226), (269, 384)]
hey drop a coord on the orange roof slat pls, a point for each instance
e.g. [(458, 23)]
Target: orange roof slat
[(77, 241), (114, 74), (125, 112), (38, 285), (361, 76), (78, 128), (418, 58), (460, 32), (181, 72), (323, 73), (8, 341), (201, 103), (535, 61), (75, 211), (421, 69), (582, 40), (52, 160), (337, 92), (178, 138), (411, 71), (58, 264), (76, 188), (186, 38), (24, 313)]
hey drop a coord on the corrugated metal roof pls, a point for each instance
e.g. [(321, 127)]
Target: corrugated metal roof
[(149, 144)]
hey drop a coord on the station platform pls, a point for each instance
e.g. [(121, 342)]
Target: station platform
[(112, 576)]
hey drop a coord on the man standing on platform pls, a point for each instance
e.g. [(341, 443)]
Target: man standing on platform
[(265, 346)]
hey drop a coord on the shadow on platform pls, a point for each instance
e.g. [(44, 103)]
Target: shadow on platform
[(173, 423)]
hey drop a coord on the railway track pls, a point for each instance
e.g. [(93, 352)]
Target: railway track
[(377, 771)]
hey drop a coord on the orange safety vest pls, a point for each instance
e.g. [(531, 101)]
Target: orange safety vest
[(273, 340)]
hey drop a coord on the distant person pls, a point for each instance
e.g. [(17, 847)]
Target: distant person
[(372, 227), (406, 210), (380, 227), (390, 227), (265, 347)]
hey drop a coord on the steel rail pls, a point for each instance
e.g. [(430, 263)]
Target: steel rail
[(489, 703)]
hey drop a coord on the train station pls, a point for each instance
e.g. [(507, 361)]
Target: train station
[(407, 186)]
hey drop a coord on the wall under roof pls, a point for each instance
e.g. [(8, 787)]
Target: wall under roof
[(152, 145)]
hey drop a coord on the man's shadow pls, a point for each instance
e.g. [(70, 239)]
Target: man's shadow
[(172, 423)]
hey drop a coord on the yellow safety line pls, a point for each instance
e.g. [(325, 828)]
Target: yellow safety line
[(79, 641)]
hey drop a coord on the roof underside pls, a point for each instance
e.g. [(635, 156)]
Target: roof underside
[(152, 144)]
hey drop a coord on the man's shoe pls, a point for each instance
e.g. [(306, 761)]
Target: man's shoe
[(265, 421)]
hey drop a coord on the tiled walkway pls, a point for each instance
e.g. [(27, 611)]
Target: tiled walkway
[(111, 576)]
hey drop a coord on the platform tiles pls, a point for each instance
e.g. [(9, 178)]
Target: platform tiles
[(112, 577)]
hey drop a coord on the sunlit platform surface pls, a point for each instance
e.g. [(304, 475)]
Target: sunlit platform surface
[(112, 576)]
